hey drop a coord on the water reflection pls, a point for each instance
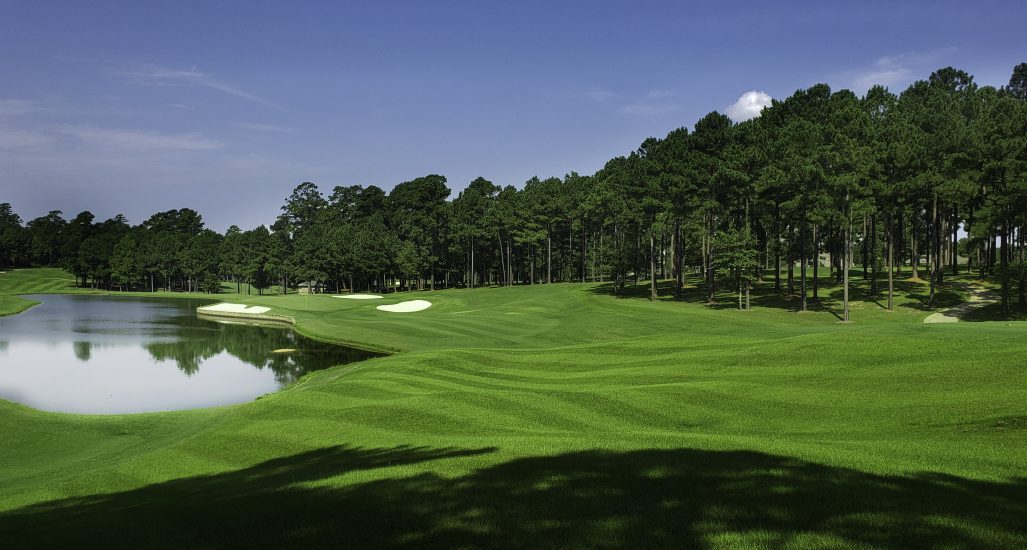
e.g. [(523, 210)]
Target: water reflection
[(83, 350), (121, 350)]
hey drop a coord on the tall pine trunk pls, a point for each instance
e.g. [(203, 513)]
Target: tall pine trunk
[(1004, 243), (502, 256), (914, 236), (934, 250), (777, 245), (584, 251), (873, 255), (865, 244), (891, 260), (679, 278), (549, 257), (802, 265), (1020, 262), (816, 262), (955, 243), (652, 266), (846, 259), (710, 274)]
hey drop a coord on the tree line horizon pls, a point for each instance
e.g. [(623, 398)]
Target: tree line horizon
[(820, 173)]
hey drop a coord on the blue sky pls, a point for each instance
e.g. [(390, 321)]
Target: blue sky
[(135, 107)]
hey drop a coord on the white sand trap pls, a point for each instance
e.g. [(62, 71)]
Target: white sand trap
[(407, 307), (236, 308), (359, 296)]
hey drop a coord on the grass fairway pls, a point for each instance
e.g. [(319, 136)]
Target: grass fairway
[(559, 415)]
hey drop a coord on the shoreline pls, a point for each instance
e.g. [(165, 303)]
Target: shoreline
[(256, 318)]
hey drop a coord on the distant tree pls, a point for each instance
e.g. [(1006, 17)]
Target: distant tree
[(469, 222), (848, 161), (125, 262), (302, 207), (73, 253), (710, 145), (46, 235), (503, 217), (12, 236), (200, 262), (530, 224), (418, 211), (1018, 82), (281, 254), (232, 256), (256, 245), (375, 250), (1001, 135), (737, 258)]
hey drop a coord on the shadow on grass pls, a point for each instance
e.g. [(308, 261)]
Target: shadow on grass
[(647, 498), (993, 312), (694, 292), (762, 294), (909, 294)]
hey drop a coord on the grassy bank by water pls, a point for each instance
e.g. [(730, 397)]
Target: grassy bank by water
[(560, 415)]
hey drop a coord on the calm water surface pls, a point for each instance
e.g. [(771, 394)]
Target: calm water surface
[(90, 354)]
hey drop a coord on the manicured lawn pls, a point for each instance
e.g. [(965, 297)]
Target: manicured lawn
[(560, 415)]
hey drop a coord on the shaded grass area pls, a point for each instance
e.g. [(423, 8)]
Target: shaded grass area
[(559, 416), (908, 292), (640, 498), (993, 312)]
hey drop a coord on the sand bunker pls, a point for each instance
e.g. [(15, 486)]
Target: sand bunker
[(407, 307), (236, 308), (359, 296)]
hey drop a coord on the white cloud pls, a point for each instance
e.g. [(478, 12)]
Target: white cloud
[(14, 107), (887, 71), (153, 75), (749, 105), (14, 138), (892, 70), (657, 94), (643, 108), (600, 95), (140, 140), (653, 103), (258, 127)]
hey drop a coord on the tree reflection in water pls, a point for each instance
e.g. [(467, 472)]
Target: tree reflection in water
[(196, 340)]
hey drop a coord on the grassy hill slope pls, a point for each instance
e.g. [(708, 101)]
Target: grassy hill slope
[(561, 416)]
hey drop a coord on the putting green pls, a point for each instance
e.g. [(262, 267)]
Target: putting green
[(582, 420)]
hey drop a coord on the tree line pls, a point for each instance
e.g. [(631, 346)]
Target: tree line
[(822, 177)]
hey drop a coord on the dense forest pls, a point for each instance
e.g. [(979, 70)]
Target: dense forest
[(821, 180)]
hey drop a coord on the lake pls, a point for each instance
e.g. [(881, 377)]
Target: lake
[(105, 355)]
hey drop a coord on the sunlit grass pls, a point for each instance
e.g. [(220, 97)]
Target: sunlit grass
[(559, 415)]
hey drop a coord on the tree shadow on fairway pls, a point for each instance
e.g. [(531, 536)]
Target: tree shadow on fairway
[(762, 294), (694, 292), (646, 498), (993, 312)]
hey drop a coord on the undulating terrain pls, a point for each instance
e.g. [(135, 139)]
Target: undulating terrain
[(561, 415)]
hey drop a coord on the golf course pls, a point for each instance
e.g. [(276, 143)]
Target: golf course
[(513, 275), (560, 416)]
